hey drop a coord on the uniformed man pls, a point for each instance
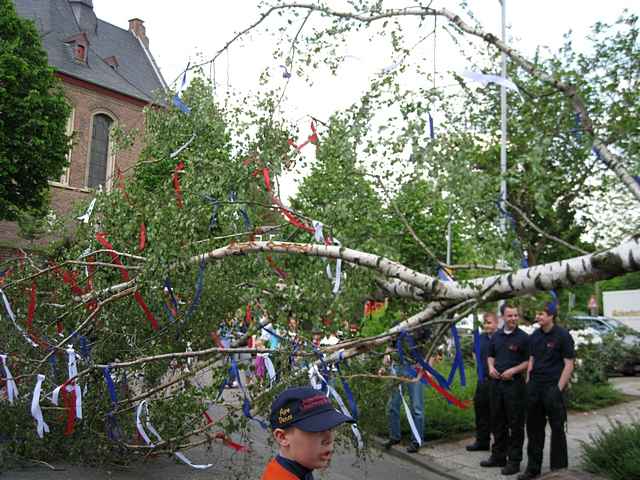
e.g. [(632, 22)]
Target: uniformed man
[(508, 360), (481, 398), (302, 420), (550, 367)]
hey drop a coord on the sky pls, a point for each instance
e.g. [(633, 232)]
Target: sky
[(191, 30)]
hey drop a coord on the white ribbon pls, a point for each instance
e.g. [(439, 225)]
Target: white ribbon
[(186, 144), (409, 415), (55, 395), (271, 370), (12, 316), (318, 235), (314, 375), (486, 79), (73, 372), (142, 406), (85, 217), (12, 388), (36, 411)]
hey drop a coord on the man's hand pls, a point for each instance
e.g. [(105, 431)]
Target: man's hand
[(493, 373), (507, 374)]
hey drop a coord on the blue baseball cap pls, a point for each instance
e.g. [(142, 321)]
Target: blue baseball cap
[(307, 409)]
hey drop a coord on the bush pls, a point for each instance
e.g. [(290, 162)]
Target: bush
[(583, 396), (614, 453)]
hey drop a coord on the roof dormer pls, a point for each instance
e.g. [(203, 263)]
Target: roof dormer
[(79, 45), (112, 61)]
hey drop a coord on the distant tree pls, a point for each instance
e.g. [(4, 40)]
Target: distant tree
[(33, 116)]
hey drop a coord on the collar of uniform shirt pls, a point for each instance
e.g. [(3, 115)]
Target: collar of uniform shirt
[(508, 332), (294, 467)]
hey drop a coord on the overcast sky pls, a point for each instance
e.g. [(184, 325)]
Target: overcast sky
[(190, 30)]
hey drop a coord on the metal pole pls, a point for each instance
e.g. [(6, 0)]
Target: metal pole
[(503, 121), (449, 238)]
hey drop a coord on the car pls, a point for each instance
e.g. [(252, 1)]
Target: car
[(603, 326)]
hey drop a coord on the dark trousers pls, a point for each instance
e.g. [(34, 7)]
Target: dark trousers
[(508, 410), (546, 402), (482, 407)]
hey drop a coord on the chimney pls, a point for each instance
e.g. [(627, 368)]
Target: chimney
[(136, 26)]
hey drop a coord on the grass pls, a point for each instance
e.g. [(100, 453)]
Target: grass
[(614, 453)]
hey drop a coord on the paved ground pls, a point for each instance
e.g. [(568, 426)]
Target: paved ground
[(452, 457)]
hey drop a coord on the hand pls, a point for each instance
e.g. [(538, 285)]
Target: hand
[(386, 360), (381, 371), (493, 373), (507, 374), (560, 387)]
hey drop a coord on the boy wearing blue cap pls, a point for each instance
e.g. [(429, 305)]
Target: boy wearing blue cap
[(302, 420), (550, 367)]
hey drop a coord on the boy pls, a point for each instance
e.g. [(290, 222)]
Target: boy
[(302, 420)]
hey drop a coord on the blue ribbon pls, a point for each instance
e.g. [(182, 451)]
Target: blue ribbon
[(353, 406), (413, 351), (478, 352), (246, 404), (53, 361), (215, 205), (113, 429), (177, 101), (199, 286), (577, 130), (233, 197), (458, 361), (431, 129), (85, 348)]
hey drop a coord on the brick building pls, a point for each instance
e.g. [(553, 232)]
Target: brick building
[(109, 76)]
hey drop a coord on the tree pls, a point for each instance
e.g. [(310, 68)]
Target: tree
[(33, 117), (173, 259)]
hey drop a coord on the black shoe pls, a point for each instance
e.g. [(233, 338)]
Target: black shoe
[(391, 442), (413, 448), (493, 462), (510, 469), (528, 475), (477, 447)]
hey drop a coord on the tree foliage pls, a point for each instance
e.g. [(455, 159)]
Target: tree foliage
[(33, 117)]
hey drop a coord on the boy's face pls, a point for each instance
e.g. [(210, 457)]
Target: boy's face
[(312, 450), (511, 317)]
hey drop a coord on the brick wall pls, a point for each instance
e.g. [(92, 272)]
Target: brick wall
[(87, 101)]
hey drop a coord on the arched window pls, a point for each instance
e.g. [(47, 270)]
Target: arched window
[(99, 156)]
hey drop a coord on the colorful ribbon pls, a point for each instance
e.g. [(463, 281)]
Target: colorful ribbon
[(84, 218), (409, 415), (182, 147), (486, 79), (177, 101), (7, 307), (36, 410), (142, 407), (101, 237), (313, 138), (12, 387), (142, 242), (285, 71), (431, 129), (113, 429), (176, 184), (215, 205), (477, 350), (458, 360)]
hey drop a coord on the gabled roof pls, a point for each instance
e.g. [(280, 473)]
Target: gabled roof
[(136, 75)]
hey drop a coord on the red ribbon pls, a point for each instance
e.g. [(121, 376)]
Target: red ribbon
[(225, 439), (70, 279), (69, 400), (291, 217), (267, 179), (247, 315), (313, 138), (454, 400), (101, 237), (176, 184), (281, 273), (143, 237)]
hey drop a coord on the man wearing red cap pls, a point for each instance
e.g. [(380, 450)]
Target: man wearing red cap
[(550, 367), (302, 420)]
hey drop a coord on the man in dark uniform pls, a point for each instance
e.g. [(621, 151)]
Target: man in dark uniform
[(508, 359), (481, 399), (550, 367)]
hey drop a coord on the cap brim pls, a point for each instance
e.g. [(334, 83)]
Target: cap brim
[(322, 421)]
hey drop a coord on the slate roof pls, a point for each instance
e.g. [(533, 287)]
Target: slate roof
[(135, 75)]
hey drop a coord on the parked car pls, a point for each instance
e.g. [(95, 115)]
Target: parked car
[(603, 326)]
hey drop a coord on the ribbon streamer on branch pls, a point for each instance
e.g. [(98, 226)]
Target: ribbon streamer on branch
[(36, 410), (7, 307), (12, 387)]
